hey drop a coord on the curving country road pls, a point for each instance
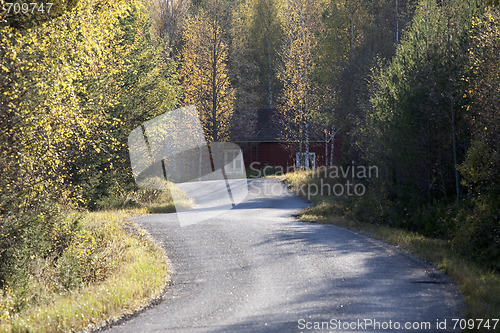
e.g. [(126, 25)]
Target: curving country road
[(256, 269)]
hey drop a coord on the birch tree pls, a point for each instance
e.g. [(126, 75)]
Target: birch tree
[(204, 73), (168, 17), (45, 74), (301, 21), (265, 37)]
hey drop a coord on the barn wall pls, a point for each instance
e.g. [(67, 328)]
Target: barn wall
[(282, 154)]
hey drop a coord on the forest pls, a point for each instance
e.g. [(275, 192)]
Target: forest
[(411, 86)]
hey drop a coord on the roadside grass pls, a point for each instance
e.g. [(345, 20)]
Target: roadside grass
[(161, 202), (68, 271), (152, 201), (130, 271), (480, 286)]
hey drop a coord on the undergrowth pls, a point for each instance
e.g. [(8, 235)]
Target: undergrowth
[(64, 270), (153, 200)]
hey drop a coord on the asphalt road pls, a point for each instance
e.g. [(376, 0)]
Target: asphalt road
[(256, 269)]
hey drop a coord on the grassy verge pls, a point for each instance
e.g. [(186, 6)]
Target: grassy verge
[(480, 286), (152, 201), (117, 269)]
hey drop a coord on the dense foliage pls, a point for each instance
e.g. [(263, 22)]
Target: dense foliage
[(74, 82), (433, 128), (72, 89)]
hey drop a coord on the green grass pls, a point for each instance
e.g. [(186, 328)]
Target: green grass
[(153, 201), (130, 271), (161, 202), (66, 271), (480, 286)]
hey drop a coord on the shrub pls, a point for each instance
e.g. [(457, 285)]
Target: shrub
[(30, 246), (477, 232), (43, 253)]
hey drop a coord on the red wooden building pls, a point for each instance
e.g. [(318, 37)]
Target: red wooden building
[(266, 148)]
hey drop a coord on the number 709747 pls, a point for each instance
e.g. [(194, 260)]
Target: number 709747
[(28, 7), (473, 324)]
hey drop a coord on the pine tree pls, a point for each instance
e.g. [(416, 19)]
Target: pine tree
[(418, 109)]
